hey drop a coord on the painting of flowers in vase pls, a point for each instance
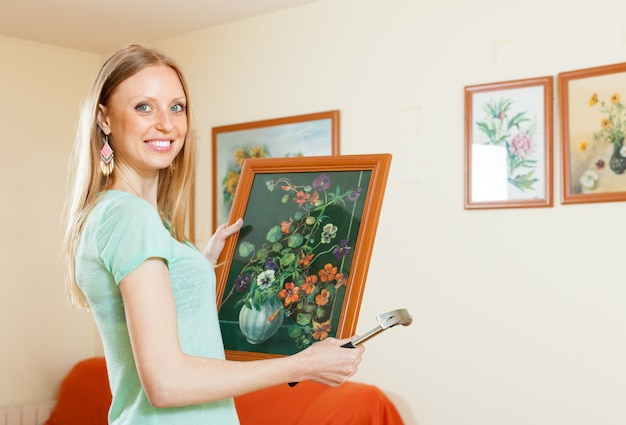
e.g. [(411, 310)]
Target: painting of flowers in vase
[(594, 127), (298, 264), (509, 144)]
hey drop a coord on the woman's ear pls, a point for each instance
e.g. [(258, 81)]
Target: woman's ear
[(103, 119)]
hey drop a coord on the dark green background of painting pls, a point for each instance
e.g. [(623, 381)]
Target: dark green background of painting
[(265, 210)]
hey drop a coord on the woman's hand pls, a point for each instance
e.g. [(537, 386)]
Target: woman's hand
[(218, 240), (327, 362)]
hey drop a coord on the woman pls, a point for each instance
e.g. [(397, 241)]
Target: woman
[(151, 292)]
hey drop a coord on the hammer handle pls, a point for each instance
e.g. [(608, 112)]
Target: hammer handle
[(346, 345)]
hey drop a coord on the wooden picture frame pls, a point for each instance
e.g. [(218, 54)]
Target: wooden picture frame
[(593, 126), (508, 144), (300, 262), (313, 134)]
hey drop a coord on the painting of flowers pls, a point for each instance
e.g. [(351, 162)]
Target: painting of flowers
[(292, 269), (508, 144), (594, 126), (302, 135)]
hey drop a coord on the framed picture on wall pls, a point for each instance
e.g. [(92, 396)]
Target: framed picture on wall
[(593, 126), (313, 134), (508, 144), (296, 272)]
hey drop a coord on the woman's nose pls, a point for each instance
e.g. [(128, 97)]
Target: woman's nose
[(163, 120)]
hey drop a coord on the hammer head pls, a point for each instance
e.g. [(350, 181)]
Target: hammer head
[(393, 318)]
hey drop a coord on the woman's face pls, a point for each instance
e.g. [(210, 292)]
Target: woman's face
[(146, 118)]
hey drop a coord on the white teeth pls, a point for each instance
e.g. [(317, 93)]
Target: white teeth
[(159, 143)]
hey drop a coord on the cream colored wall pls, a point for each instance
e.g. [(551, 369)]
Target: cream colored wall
[(518, 314), (40, 338)]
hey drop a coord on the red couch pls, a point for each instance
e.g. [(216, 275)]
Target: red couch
[(84, 399)]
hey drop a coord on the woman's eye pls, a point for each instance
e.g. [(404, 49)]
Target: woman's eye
[(179, 107), (143, 107)]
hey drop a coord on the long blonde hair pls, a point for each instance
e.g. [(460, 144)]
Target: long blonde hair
[(86, 180)]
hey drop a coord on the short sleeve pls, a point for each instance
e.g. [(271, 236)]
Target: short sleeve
[(129, 233)]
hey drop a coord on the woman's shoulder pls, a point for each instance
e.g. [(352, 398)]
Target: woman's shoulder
[(116, 206)]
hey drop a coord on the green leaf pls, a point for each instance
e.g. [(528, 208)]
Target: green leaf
[(303, 319), (262, 254), (295, 240), (287, 259), (274, 234), (320, 312), (246, 249), (294, 331)]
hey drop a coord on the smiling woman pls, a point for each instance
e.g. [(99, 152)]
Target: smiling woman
[(152, 293)]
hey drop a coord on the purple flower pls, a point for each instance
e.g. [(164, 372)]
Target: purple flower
[(354, 194), (270, 264), (242, 282), (600, 164), (342, 249), (322, 182)]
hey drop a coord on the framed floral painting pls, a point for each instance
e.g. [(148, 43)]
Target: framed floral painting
[(300, 135), (296, 272), (508, 144), (593, 126)]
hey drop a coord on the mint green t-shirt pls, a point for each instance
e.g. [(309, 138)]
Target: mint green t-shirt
[(120, 233)]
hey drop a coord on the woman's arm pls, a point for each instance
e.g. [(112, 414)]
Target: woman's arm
[(173, 378)]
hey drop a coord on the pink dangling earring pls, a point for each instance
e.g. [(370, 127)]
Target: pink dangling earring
[(106, 156)]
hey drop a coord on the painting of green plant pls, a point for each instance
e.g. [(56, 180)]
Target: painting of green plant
[(505, 121)]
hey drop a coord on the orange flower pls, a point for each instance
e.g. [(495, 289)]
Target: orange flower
[(301, 197), (322, 298), (341, 280), (305, 260), (289, 294), (583, 145), (606, 123), (594, 99), (274, 315), (314, 198), (321, 330), (328, 273), (309, 284), (285, 226)]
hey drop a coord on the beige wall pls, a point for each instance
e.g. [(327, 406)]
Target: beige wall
[(40, 338), (519, 314)]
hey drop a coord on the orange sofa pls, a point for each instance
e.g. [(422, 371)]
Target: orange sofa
[(84, 399)]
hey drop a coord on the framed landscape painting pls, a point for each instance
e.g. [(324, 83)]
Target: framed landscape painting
[(296, 272), (313, 134)]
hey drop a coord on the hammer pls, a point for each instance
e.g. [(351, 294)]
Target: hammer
[(385, 321)]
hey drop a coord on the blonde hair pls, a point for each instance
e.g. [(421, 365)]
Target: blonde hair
[(86, 180)]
